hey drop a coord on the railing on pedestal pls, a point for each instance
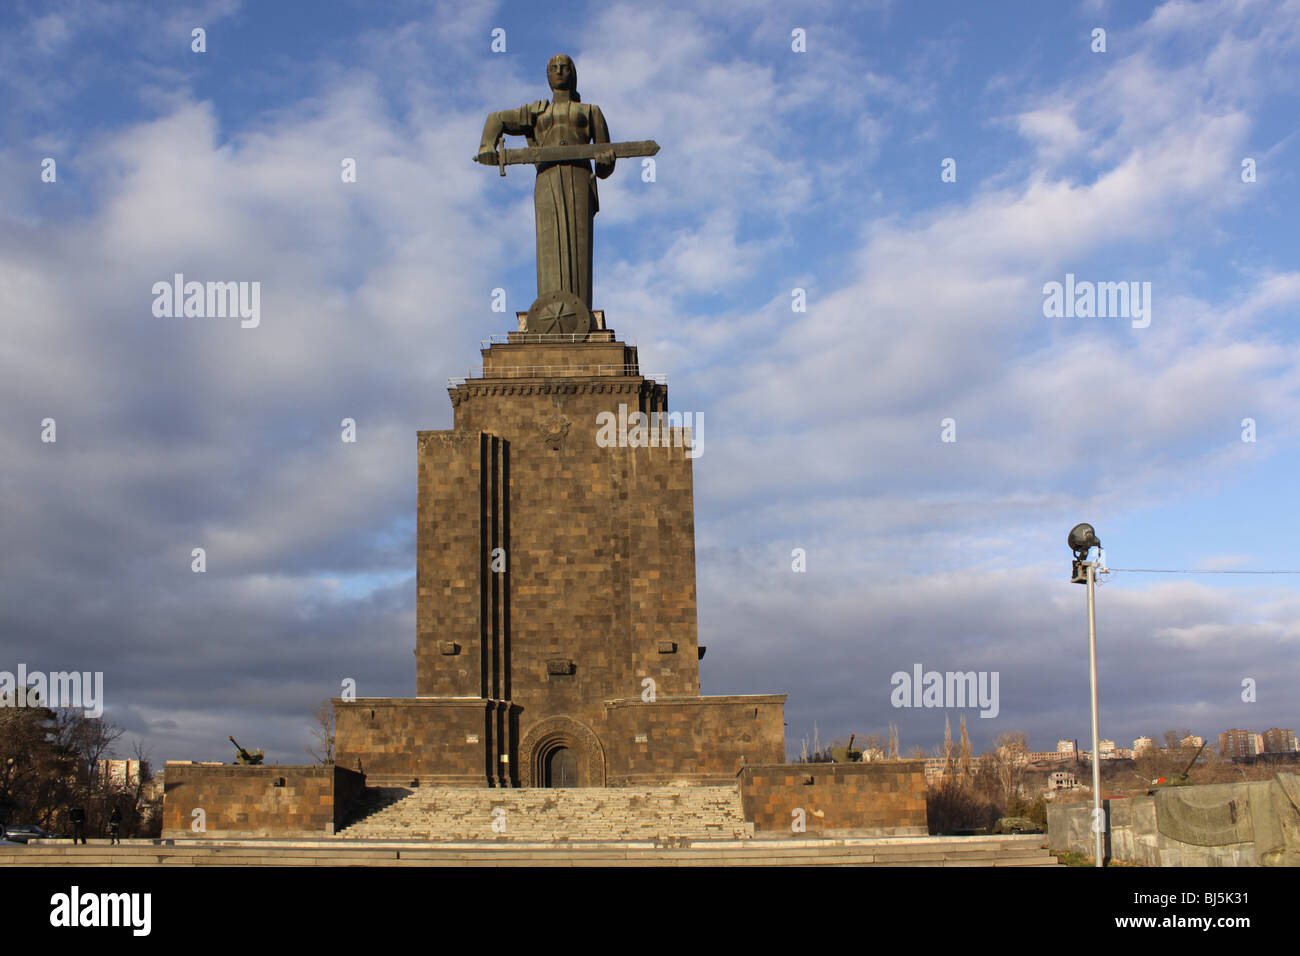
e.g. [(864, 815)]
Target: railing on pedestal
[(553, 371), (548, 338)]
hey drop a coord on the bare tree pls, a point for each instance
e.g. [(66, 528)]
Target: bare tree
[(88, 739), (322, 730), (965, 748), (142, 756), (1007, 763), (948, 749)]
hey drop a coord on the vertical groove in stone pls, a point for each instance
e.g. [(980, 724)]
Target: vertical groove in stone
[(494, 576), (504, 500), (483, 566)]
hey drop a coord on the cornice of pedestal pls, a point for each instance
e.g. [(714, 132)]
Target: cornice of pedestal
[(552, 385)]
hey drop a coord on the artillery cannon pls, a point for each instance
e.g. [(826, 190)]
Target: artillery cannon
[(253, 759), (846, 754), (1183, 779)]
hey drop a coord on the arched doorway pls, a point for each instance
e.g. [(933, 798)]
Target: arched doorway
[(560, 768), (560, 748)]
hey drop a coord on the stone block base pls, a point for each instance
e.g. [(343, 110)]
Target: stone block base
[(268, 801), (459, 742), (881, 798)]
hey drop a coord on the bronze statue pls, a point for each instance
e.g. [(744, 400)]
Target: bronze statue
[(564, 135)]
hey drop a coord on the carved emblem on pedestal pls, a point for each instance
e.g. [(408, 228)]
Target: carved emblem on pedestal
[(554, 431), (560, 314)]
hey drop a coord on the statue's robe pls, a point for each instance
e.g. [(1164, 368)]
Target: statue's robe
[(564, 198)]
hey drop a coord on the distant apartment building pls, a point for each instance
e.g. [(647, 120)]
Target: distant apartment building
[(1278, 741), (1108, 751), (1143, 743), (119, 773), (1192, 741), (1240, 743), (1117, 753), (1049, 756), (1065, 747)]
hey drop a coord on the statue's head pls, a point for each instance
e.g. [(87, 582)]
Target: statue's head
[(562, 74)]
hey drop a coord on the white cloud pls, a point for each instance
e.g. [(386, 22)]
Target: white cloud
[(823, 427)]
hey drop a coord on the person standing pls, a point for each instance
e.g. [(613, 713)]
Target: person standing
[(115, 826), (77, 817)]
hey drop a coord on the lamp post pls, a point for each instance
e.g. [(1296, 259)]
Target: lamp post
[(1082, 540)]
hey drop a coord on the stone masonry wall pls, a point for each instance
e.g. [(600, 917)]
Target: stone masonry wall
[(555, 583), (267, 801), (594, 588), (400, 739), (599, 542), (691, 740), (449, 575), (881, 798)]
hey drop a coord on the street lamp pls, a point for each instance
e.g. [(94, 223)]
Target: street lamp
[(1082, 540)]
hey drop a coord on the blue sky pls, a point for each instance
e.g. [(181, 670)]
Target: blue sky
[(778, 170)]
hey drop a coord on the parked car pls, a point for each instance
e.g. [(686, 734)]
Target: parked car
[(22, 832)]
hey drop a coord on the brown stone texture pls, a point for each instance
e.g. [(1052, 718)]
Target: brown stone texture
[(555, 582), (881, 798), (240, 801), (599, 543), (395, 740), (703, 740)]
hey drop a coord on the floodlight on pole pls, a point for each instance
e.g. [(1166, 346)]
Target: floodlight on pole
[(1081, 541)]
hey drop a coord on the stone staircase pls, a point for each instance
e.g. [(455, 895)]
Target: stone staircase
[(550, 815), (905, 851), (620, 826)]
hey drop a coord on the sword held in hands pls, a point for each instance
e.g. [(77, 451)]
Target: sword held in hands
[(502, 158)]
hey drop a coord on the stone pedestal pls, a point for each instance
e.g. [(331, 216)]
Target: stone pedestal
[(556, 589)]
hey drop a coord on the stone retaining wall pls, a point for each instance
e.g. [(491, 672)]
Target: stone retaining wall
[(691, 740), (267, 801), (438, 742), (881, 798)]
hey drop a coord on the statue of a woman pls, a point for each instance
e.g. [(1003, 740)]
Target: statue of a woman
[(564, 197)]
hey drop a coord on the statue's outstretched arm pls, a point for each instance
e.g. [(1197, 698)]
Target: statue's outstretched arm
[(600, 134), (515, 122)]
